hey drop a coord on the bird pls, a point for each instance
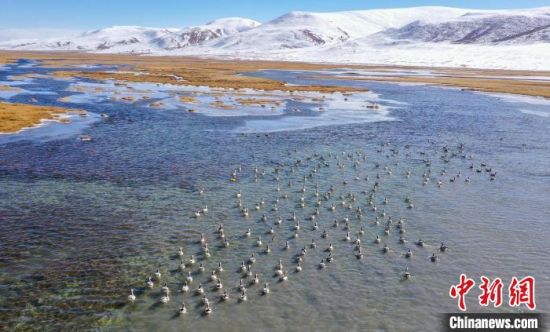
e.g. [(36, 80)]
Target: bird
[(241, 285), (265, 290), (183, 309), (150, 283), (243, 296), (165, 288), (200, 289), (165, 298), (207, 309), (131, 297), (407, 274)]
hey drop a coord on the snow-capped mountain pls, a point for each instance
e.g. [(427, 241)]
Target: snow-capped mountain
[(436, 36), (475, 28), (305, 29), (198, 35), (137, 39)]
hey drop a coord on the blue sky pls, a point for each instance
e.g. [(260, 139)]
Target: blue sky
[(90, 14)]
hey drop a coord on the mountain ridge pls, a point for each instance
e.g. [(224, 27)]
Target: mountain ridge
[(337, 37)]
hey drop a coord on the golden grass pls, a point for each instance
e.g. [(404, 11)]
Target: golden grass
[(529, 88), (156, 104), (221, 104), (163, 69), (8, 88), (15, 117), (257, 101), (227, 73), (188, 99)]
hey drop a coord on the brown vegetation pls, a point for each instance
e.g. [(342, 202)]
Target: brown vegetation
[(14, 117), (498, 85)]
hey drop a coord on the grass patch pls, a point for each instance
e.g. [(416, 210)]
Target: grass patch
[(15, 117)]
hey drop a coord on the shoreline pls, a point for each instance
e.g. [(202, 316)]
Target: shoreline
[(16, 117), (225, 73)]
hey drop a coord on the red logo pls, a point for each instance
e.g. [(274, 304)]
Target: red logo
[(519, 292), (522, 292), (461, 290)]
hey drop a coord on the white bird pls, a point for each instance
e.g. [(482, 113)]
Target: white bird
[(150, 283), (166, 289), (265, 291), (243, 296), (183, 309), (131, 297), (185, 287), (165, 299)]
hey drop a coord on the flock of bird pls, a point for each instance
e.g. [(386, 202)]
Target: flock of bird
[(310, 210)]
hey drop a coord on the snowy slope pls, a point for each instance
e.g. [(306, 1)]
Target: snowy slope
[(304, 29), (139, 39), (427, 36), (478, 28), (193, 36), (113, 38)]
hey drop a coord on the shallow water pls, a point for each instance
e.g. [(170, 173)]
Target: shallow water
[(83, 222)]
